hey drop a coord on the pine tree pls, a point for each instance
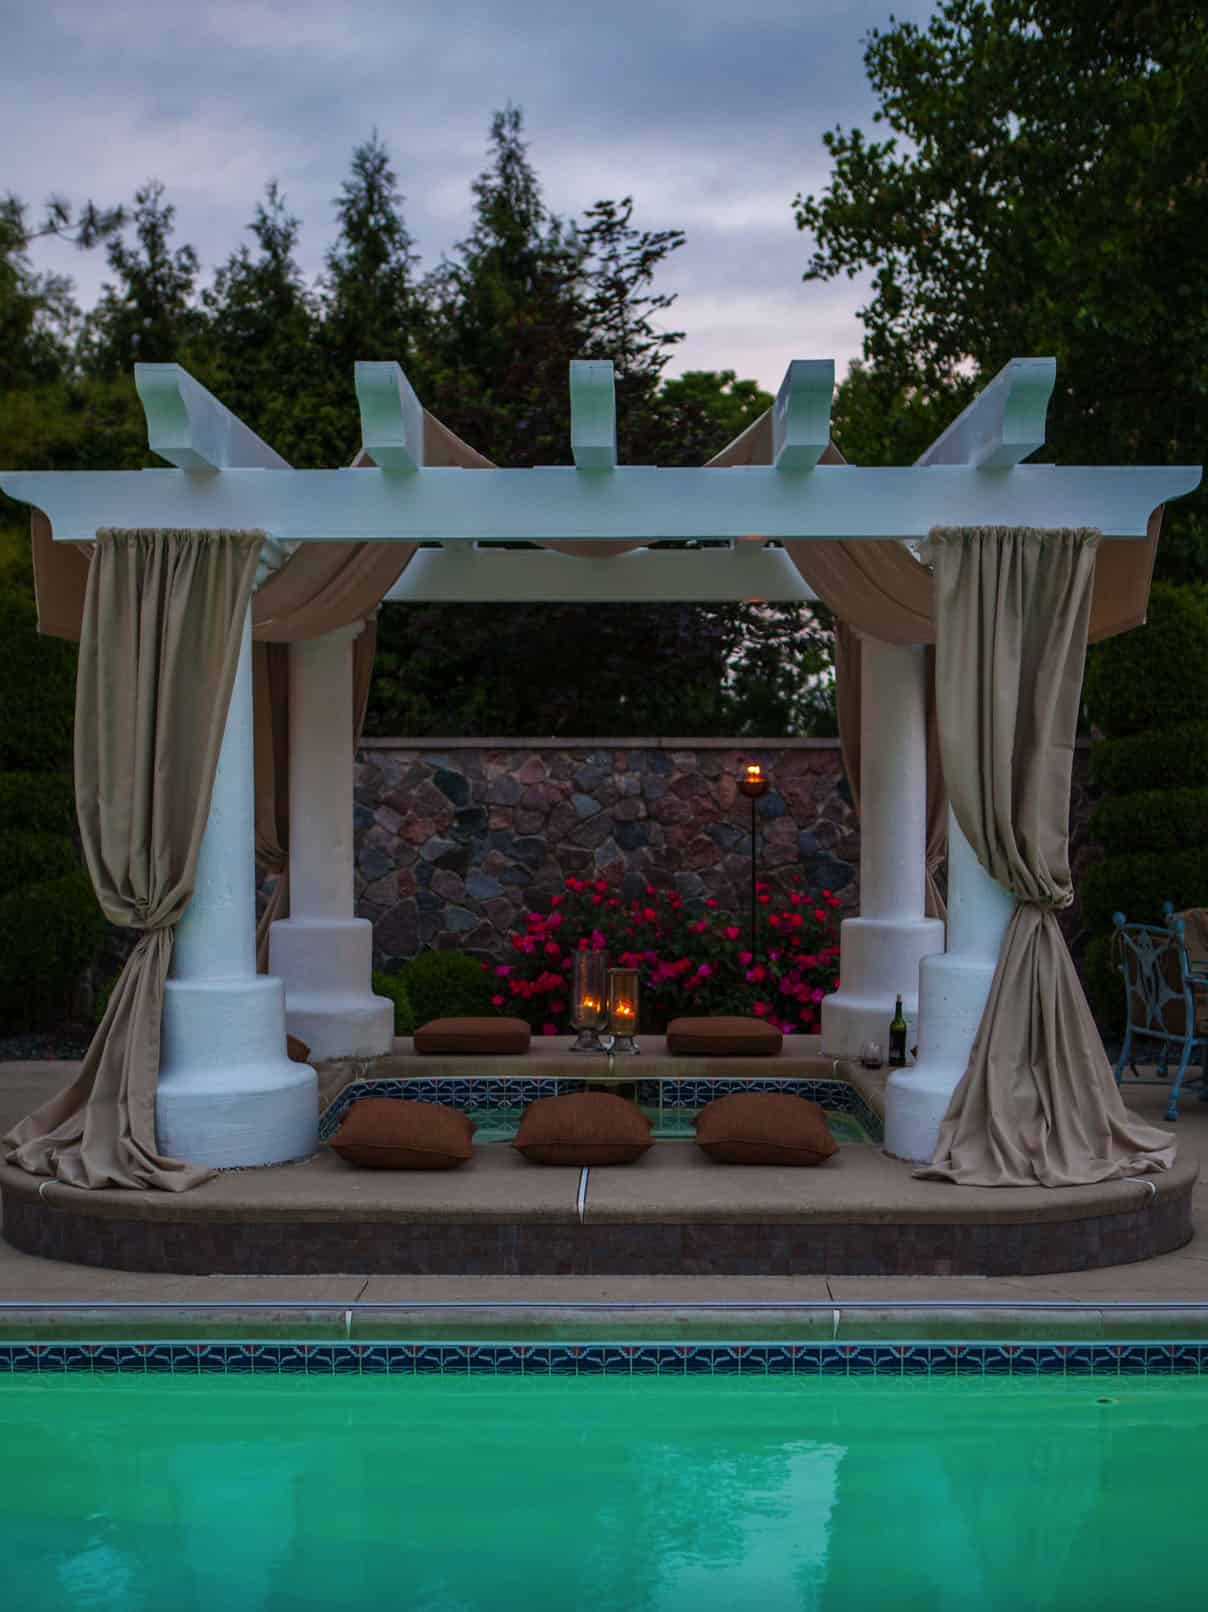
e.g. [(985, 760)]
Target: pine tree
[(149, 314)]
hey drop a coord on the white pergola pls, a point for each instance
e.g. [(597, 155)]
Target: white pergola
[(225, 1094)]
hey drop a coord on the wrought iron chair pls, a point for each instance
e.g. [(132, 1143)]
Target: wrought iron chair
[(1160, 986)]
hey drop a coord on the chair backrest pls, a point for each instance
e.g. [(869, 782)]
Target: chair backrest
[(1153, 960)]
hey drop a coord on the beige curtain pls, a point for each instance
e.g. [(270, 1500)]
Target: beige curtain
[(272, 739), (161, 629), (1037, 1104), (848, 700)]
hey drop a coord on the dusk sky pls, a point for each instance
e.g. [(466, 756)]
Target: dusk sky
[(710, 114)]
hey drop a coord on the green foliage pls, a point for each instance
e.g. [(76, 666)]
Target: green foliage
[(28, 857), (395, 987), (49, 933), (1175, 757), (1151, 820), (443, 985), (1040, 190), (1138, 882), (1156, 676), (37, 711), (39, 802), (147, 313)]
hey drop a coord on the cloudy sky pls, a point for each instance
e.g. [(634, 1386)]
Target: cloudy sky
[(709, 113)]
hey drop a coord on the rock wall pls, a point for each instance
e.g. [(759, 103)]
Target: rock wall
[(455, 839)]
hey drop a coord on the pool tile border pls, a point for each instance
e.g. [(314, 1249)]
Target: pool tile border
[(419, 1359), (515, 1091)]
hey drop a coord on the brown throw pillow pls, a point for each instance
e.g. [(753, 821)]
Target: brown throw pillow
[(390, 1133), (723, 1037), (473, 1035), (586, 1127), (764, 1127), (296, 1050)]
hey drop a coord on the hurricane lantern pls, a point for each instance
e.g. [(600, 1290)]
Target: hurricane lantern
[(754, 783), (590, 1008), (623, 1009)]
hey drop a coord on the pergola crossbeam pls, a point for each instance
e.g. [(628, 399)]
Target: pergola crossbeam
[(801, 414), (392, 418), (1004, 423), (191, 429), (593, 414)]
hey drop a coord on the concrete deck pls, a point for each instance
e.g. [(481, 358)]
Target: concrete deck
[(1178, 1277)]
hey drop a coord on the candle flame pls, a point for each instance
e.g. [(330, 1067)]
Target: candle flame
[(754, 770)]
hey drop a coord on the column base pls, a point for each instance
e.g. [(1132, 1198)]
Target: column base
[(953, 990), (228, 1095), (879, 958), (326, 965)]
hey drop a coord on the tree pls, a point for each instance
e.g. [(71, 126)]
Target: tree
[(1042, 190), (148, 315)]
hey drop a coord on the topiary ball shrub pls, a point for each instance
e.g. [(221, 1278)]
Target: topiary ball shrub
[(447, 985), (1157, 676), (395, 987), (49, 933)]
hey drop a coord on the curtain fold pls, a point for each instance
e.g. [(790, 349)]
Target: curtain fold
[(161, 630), (849, 693), (1038, 1103)]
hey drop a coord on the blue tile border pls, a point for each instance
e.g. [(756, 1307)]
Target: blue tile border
[(515, 1091), (611, 1359)]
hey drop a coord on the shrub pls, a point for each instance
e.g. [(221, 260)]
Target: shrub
[(1151, 820), (1137, 885), (49, 933), (689, 961), (36, 725), (31, 858), (443, 985), (1155, 677), (395, 987), (43, 802), (1176, 758)]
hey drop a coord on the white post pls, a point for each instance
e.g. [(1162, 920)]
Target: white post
[(322, 952), (883, 947), (228, 1094), (952, 997)]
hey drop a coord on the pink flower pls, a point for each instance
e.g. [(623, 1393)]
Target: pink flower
[(731, 931), (745, 957), (761, 1010), (552, 949), (503, 970), (711, 904), (704, 971), (497, 1001), (549, 1029), (555, 901)]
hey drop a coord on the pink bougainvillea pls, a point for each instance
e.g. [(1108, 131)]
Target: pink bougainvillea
[(691, 960)]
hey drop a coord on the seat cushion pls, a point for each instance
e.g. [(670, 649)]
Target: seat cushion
[(296, 1049), (486, 1035), (764, 1127), (586, 1127), (723, 1037), (390, 1133)]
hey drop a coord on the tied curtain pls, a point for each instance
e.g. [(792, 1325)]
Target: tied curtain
[(1038, 1104), (848, 701), (161, 627), (270, 685)]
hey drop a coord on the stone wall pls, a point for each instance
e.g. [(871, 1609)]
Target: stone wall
[(456, 838)]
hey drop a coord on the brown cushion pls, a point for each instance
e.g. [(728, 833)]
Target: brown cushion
[(296, 1050), (586, 1127), (473, 1035), (723, 1037), (390, 1133), (764, 1127)]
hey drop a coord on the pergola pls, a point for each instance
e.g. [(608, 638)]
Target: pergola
[(777, 515)]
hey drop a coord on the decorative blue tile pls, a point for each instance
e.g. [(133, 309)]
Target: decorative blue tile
[(833, 1360), (1159, 1359), (861, 1359), (159, 1359), (916, 1359), (318, 1359), (454, 1359)]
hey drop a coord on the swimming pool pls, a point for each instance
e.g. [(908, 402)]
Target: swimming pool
[(460, 1492)]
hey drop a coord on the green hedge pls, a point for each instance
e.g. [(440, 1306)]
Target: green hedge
[(39, 675), (395, 987), (1137, 885), (30, 858), (1151, 820), (445, 985), (49, 933), (41, 801), (1176, 758), (1155, 677)]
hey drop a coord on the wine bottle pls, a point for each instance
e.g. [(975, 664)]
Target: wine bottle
[(897, 1038)]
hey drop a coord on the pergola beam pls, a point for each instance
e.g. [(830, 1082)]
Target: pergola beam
[(593, 414), (191, 429), (1004, 423), (392, 418), (801, 414), (449, 505), (469, 574)]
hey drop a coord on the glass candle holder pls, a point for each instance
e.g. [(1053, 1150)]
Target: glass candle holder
[(623, 1009), (872, 1055), (589, 1006)]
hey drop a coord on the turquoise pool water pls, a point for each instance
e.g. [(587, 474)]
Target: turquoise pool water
[(601, 1495), (669, 1124)]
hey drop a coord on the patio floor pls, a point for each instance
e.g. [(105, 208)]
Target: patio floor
[(1180, 1277)]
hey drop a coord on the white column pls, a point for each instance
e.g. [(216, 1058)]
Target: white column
[(952, 997), (322, 952), (228, 1094), (883, 947)]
